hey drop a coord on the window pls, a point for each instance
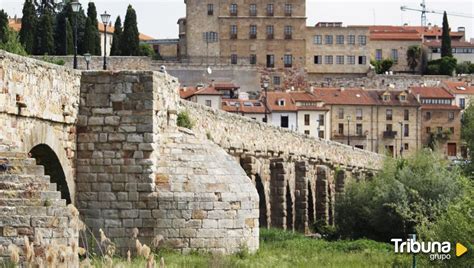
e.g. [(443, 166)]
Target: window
[(451, 129), (288, 9), (253, 32), (394, 55), (328, 39), (362, 40), (253, 59), (406, 130), (351, 60), (358, 114), (388, 114), (233, 32), (233, 59), (318, 40), (362, 60), (306, 119), (270, 61), (276, 80), (428, 130), (341, 113), (253, 10), (340, 39), (359, 129), (321, 134), (288, 32), (208, 103), (462, 103), (288, 60), (351, 39), (359, 147), (284, 121), (270, 10), (328, 59), (321, 120), (378, 54), (406, 115), (339, 59), (210, 37), (428, 116), (318, 59), (389, 127), (270, 32), (403, 97), (341, 129), (210, 9), (233, 9), (386, 97), (306, 132), (451, 115), (406, 147)]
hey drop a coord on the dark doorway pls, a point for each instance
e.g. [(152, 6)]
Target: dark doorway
[(289, 210), (262, 202), (310, 205), (46, 157)]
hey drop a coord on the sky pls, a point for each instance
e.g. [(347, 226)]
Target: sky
[(158, 18)]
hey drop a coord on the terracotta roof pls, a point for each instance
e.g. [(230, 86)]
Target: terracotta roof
[(188, 92), (15, 24), (275, 97), (454, 44), (459, 87), (439, 107), (393, 33), (350, 96), (243, 106), (394, 98), (225, 86), (432, 92), (304, 96), (432, 31)]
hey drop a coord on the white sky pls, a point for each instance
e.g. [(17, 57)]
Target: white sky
[(158, 18)]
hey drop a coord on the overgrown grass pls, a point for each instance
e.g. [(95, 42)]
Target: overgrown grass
[(285, 249)]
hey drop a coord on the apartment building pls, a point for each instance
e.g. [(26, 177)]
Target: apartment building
[(370, 119), (332, 49), (440, 119), (463, 92), (204, 95)]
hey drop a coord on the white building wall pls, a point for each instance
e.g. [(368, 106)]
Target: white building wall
[(292, 120), (216, 100)]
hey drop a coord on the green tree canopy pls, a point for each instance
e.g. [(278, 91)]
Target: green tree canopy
[(3, 26), (45, 35), (28, 26), (130, 38), (446, 50), (91, 34), (115, 49), (413, 57)]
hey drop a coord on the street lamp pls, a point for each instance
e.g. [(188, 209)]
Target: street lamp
[(88, 58), (348, 130), (401, 139), (105, 20), (265, 87), (76, 6)]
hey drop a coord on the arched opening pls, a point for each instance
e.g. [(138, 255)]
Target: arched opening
[(310, 205), (262, 203), (289, 209), (46, 157)]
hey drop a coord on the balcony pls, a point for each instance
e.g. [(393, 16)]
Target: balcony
[(233, 13), (270, 13), (288, 36), (270, 36), (389, 134), (253, 36)]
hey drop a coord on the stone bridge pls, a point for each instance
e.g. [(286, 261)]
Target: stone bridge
[(110, 142)]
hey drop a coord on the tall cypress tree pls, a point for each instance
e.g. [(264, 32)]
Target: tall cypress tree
[(89, 39), (92, 32), (115, 49), (130, 41), (69, 38), (28, 25), (45, 35), (3, 26), (446, 50)]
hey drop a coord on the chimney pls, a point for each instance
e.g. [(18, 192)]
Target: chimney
[(342, 89), (429, 26)]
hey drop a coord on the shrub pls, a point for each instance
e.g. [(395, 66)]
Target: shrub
[(401, 197), (12, 43), (328, 232), (184, 120), (463, 68), (53, 60), (443, 66), (146, 50), (382, 66)]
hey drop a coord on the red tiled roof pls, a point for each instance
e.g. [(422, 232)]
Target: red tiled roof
[(188, 92), (230, 105), (432, 92), (275, 97), (15, 24), (459, 87), (304, 96), (351, 96), (393, 33), (432, 31), (439, 107), (454, 44), (225, 86), (394, 98)]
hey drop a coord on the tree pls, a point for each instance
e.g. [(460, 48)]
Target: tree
[(63, 35), (45, 36), (130, 38), (3, 26), (115, 49), (12, 43), (446, 50), (91, 34), (467, 134), (147, 50), (28, 26), (413, 57), (382, 66)]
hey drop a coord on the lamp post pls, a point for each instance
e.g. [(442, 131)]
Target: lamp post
[(348, 130), (105, 20), (265, 87), (88, 58), (401, 139), (76, 6)]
